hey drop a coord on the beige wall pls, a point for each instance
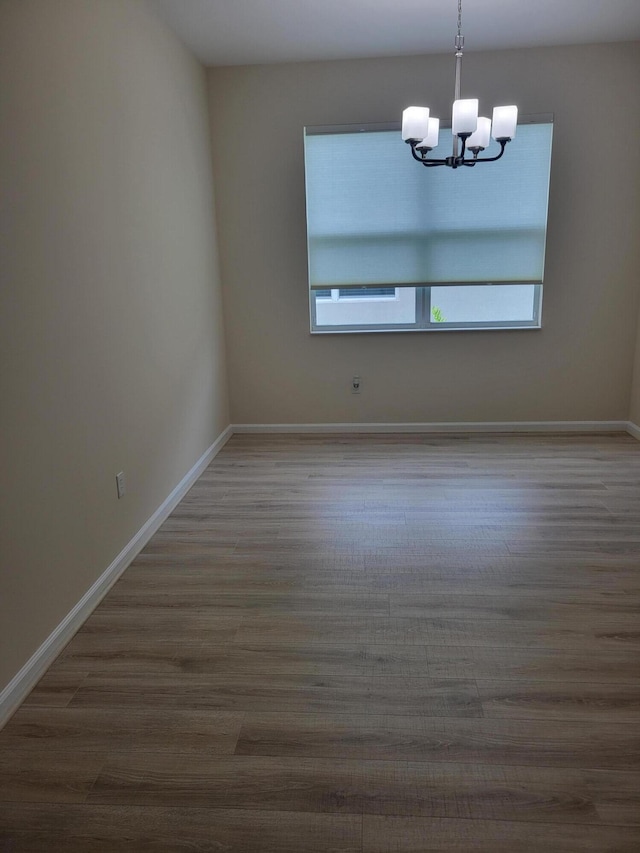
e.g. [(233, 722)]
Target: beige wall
[(578, 367), (110, 316)]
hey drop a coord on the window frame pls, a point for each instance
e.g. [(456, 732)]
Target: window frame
[(424, 323)]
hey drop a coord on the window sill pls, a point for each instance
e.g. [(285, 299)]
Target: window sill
[(461, 328)]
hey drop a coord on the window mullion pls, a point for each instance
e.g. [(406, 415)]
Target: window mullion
[(426, 317)]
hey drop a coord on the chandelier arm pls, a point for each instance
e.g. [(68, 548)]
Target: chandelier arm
[(424, 160), (503, 143), (460, 160), (413, 151)]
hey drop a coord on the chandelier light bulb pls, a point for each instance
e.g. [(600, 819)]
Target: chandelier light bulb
[(505, 120), (431, 139), (464, 118), (481, 137), (415, 123)]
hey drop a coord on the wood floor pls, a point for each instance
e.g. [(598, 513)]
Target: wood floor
[(369, 644)]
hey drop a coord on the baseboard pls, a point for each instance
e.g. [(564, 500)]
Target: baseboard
[(633, 430), (454, 427), (21, 684)]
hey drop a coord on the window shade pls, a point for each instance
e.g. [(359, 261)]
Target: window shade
[(376, 217)]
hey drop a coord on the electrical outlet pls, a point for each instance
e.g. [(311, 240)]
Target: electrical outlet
[(121, 485), (356, 385)]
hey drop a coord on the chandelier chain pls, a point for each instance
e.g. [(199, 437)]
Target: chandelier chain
[(459, 18)]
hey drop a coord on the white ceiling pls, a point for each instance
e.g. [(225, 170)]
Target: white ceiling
[(238, 32)]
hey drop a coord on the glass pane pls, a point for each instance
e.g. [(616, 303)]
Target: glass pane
[(372, 311), (487, 303)]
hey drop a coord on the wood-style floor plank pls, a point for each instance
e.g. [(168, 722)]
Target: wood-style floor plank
[(357, 644), (512, 606), (271, 692), (163, 601), (556, 701), (606, 666), (372, 787), (249, 661), (49, 776), (284, 628), (57, 688), (595, 745), (43, 828), (437, 835), (36, 729)]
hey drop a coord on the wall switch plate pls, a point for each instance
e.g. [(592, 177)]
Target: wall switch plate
[(356, 385), (121, 485)]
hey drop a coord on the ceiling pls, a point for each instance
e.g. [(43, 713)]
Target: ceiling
[(239, 32)]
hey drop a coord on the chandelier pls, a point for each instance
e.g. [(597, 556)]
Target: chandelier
[(470, 132)]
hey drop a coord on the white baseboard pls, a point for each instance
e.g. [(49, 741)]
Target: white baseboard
[(633, 430), (456, 427), (21, 684)]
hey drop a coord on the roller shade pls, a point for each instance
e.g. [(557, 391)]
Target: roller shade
[(376, 217)]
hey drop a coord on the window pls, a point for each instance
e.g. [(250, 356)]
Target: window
[(394, 246), (426, 308)]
